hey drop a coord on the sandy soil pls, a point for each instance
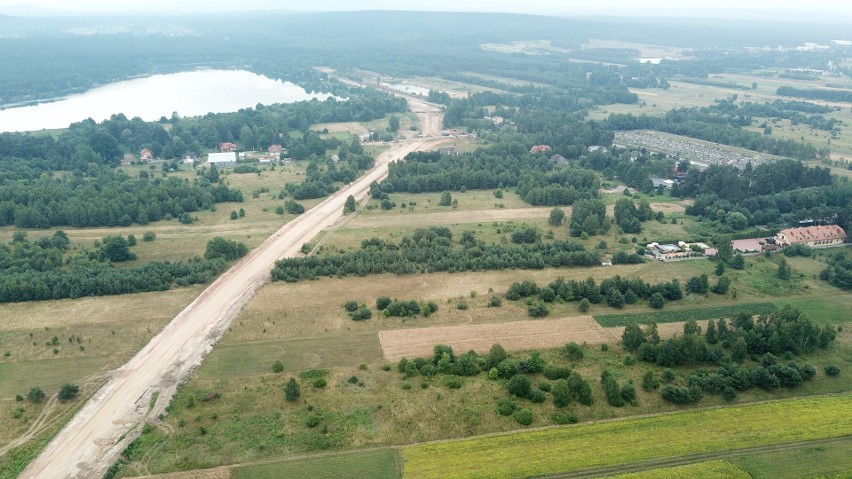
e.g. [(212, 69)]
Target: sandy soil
[(513, 336), (112, 418)]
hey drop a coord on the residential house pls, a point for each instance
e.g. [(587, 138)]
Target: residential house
[(189, 160), (145, 155), (540, 148), (449, 150), (365, 137), (227, 146), (275, 150), (814, 236)]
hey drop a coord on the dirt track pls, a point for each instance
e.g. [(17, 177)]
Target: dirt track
[(95, 437), (514, 336)]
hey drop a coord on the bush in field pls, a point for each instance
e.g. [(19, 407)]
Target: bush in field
[(524, 417), (505, 407), (519, 385), (292, 390)]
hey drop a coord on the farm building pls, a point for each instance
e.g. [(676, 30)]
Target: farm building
[(222, 160), (815, 236), (227, 146)]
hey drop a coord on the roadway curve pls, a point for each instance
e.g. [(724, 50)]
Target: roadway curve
[(112, 418)]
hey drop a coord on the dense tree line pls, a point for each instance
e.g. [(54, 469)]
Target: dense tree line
[(815, 93), (787, 330), (778, 109), (629, 217), (324, 176), (505, 164), (780, 192), (432, 250), (35, 271), (104, 198), (615, 291)]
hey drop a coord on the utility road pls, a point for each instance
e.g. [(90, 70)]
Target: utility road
[(99, 432)]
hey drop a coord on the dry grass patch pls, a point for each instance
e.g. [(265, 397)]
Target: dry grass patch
[(514, 336)]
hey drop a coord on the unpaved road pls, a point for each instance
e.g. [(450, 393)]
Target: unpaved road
[(99, 432)]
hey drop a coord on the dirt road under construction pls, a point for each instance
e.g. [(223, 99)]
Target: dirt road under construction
[(112, 418)]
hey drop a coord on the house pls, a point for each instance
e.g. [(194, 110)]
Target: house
[(275, 150), (558, 160), (145, 155), (815, 236), (222, 160), (595, 148), (227, 146), (335, 158), (265, 160), (365, 137), (664, 182), (449, 150), (189, 160), (540, 148)]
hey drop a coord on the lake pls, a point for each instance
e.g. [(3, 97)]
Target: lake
[(188, 93)]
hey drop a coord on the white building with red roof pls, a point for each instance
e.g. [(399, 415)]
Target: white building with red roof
[(814, 236)]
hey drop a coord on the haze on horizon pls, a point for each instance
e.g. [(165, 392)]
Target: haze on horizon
[(815, 9)]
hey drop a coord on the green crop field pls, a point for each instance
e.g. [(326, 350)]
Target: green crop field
[(575, 448), (704, 470), (375, 464)]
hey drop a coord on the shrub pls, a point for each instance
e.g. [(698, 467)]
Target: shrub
[(564, 417), (574, 351), (505, 407), (453, 382), (561, 393), (149, 236), (584, 305), (495, 302), (682, 395), (361, 314), (277, 367), (352, 380), (832, 370), (524, 417), (553, 372), (650, 381), (36, 395), (351, 305), (68, 391), (292, 390), (538, 310), (519, 385), (545, 386), (537, 396), (313, 420), (382, 302), (319, 383)]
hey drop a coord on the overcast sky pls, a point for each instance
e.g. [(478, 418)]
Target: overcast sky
[(829, 9)]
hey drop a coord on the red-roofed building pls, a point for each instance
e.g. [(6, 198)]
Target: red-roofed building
[(227, 146), (815, 236), (275, 150), (540, 148), (145, 155)]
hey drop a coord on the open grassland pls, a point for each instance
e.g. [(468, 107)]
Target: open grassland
[(376, 464), (92, 335), (820, 461), (585, 446), (704, 470)]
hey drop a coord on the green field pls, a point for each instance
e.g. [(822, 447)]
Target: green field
[(698, 314), (374, 464), (704, 470), (574, 448)]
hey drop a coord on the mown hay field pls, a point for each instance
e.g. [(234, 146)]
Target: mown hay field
[(573, 448)]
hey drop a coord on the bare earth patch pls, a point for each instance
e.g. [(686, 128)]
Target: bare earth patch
[(513, 336)]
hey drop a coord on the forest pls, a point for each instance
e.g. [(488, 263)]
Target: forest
[(41, 270), (432, 250)]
